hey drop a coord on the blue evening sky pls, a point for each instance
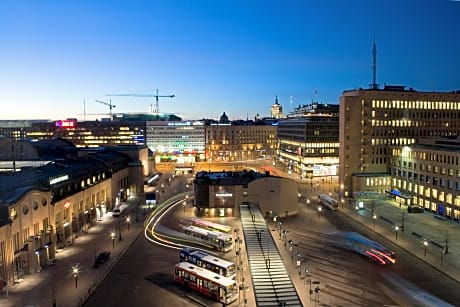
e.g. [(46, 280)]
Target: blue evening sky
[(217, 56)]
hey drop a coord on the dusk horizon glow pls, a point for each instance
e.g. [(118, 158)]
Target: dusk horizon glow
[(57, 58)]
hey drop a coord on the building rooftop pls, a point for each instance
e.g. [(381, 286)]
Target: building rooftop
[(228, 178)]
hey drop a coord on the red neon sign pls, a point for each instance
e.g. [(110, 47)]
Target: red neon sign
[(66, 123)]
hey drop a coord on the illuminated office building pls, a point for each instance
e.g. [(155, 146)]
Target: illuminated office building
[(372, 121), (82, 134), (178, 141), (309, 141), (240, 140), (427, 174)]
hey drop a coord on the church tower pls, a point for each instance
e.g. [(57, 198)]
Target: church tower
[(277, 109)]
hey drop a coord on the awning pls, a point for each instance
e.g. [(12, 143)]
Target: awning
[(399, 194)]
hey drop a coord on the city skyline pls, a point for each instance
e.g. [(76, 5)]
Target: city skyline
[(233, 57)]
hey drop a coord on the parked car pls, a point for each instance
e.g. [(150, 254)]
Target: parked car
[(101, 258), (118, 210), (415, 209)]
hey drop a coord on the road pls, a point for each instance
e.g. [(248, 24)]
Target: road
[(392, 280)]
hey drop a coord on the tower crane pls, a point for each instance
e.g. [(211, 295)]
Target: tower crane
[(156, 107), (109, 104)]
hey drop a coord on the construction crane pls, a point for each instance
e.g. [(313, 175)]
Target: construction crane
[(109, 104), (154, 109)]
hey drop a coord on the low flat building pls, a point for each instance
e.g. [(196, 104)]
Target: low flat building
[(221, 193)]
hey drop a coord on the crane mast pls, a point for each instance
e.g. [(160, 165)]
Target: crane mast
[(109, 104)]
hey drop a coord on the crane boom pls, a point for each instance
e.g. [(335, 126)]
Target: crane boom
[(154, 109), (109, 104)]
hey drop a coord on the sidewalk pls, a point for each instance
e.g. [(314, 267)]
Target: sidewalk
[(55, 285)]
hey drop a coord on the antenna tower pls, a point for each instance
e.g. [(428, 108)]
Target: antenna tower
[(374, 84)]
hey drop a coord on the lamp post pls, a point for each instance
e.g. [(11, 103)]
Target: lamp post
[(128, 221), (396, 232), (374, 217), (290, 249), (308, 275), (75, 272), (184, 203), (319, 212), (284, 237), (298, 264), (425, 244), (112, 236)]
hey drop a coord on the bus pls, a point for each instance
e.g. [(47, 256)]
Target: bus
[(219, 288), (217, 240), (362, 245), (208, 262), (153, 180), (210, 225), (328, 202)]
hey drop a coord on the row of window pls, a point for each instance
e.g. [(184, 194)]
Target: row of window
[(421, 105)]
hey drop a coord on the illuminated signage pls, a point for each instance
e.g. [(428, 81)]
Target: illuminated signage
[(324, 170), (224, 194), (66, 123), (59, 179)]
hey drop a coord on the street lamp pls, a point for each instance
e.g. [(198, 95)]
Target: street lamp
[(112, 236), (425, 244), (319, 212), (284, 237), (298, 263), (75, 272), (396, 231), (374, 217), (308, 275), (184, 203), (128, 221)]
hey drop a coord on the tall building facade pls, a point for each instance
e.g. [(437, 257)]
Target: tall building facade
[(178, 141), (240, 140), (373, 120), (308, 141), (427, 174)]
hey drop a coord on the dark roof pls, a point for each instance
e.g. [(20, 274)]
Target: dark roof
[(228, 178)]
